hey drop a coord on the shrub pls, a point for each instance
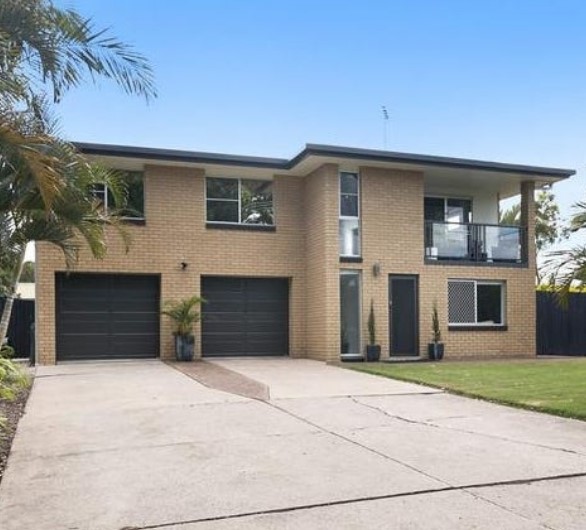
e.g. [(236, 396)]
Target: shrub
[(6, 352), (13, 378)]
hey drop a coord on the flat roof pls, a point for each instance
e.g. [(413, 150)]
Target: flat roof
[(314, 150)]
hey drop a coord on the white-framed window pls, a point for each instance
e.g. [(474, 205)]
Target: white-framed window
[(349, 228), (134, 207), (239, 201), (476, 303)]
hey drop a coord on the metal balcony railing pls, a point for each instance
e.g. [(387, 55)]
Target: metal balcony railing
[(473, 242)]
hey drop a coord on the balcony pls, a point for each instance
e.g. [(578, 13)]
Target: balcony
[(473, 243)]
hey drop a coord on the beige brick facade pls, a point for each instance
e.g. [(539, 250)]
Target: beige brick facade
[(304, 248)]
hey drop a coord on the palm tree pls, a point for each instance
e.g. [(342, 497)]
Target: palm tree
[(566, 268), (45, 186), (73, 218), (45, 48)]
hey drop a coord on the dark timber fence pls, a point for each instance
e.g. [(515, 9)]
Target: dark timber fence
[(19, 330), (561, 331)]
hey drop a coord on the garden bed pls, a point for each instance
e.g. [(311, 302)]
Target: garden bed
[(11, 411)]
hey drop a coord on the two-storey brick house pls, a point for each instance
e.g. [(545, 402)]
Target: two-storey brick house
[(290, 255)]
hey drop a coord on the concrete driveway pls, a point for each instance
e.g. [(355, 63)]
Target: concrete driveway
[(140, 445)]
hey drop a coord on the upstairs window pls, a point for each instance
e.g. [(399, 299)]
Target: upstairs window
[(134, 208), (239, 201), (349, 227), (476, 303), (448, 210)]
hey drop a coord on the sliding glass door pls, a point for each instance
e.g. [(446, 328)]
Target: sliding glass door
[(350, 313)]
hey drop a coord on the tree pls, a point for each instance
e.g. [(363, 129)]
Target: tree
[(46, 187), (28, 272), (45, 49), (566, 268), (73, 218), (549, 228)]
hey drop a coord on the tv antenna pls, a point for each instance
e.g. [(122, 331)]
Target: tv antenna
[(385, 125)]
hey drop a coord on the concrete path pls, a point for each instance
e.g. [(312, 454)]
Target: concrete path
[(140, 445)]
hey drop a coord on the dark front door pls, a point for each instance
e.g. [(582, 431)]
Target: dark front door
[(245, 316), (403, 315), (107, 316)]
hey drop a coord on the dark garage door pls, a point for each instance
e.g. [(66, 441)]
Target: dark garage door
[(245, 316), (102, 316)]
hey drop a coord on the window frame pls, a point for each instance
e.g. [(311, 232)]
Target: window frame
[(239, 201), (446, 198), (358, 274), (357, 218), (476, 324), (104, 190)]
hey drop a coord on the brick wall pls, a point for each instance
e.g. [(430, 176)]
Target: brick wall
[(174, 232), (304, 248), (392, 236)]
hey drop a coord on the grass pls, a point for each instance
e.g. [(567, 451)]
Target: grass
[(553, 386)]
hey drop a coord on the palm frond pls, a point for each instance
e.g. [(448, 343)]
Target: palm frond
[(578, 221), (565, 269), (62, 49), (26, 160), (183, 313)]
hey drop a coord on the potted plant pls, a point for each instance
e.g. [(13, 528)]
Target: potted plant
[(184, 314), (372, 348), (435, 349)]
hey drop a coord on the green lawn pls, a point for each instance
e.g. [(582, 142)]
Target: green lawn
[(554, 386)]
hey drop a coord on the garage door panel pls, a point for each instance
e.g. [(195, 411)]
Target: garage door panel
[(245, 316), (224, 344), (107, 316), (224, 328), (257, 339), (137, 316), (83, 345), (91, 326), (134, 343), (223, 306), (137, 304), (265, 306), (272, 327), (223, 285), (137, 327), (76, 304)]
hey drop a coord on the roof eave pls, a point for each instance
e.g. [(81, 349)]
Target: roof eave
[(327, 151)]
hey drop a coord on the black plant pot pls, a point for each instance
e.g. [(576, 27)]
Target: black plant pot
[(435, 351), (184, 347), (372, 353)]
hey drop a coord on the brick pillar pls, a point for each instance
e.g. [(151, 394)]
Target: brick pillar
[(322, 258), (529, 253), (528, 221)]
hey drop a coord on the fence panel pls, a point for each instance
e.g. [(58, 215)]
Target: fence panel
[(19, 329), (561, 331)]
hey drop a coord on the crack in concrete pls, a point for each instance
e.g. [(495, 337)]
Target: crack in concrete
[(426, 423), (507, 509), (358, 444), (356, 500), (346, 396)]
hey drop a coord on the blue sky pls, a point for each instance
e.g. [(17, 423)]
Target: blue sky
[(498, 80)]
